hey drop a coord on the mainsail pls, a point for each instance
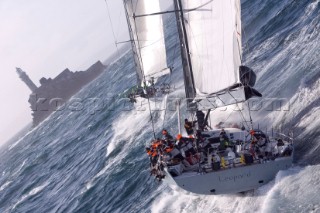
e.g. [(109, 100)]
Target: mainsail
[(147, 38), (213, 34)]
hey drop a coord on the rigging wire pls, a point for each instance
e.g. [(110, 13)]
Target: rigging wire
[(243, 118), (250, 115), (152, 122), (119, 23), (174, 56), (134, 47), (110, 20), (144, 77), (165, 112), (245, 123), (170, 77), (228, 117)]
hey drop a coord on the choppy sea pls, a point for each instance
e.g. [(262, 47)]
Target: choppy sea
[(89, 155)]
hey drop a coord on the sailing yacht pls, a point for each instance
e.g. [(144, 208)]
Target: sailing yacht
[(148, 47), (238, 160)]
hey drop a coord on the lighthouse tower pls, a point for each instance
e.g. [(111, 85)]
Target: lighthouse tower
[(25, 78)]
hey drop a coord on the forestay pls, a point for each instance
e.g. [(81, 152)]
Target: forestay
[(214, 37), (146, 33)]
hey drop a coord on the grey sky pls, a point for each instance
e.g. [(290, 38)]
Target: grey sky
[(43, 38)]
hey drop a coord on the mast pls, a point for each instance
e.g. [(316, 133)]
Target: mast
[(185, 54)]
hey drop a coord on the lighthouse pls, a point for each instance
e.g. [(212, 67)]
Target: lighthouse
[(25, 78)]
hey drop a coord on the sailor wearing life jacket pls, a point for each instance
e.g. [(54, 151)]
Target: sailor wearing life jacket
[(174, 152), (153, 156), (155, 152)]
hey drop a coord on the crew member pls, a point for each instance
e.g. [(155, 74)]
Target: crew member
[(201, 120), (215, 160), (223, 139), (166, 136), (199, 140), (188, 125), (185, 144)]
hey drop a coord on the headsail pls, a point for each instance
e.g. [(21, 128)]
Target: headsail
[(213, 31), (147, 38)]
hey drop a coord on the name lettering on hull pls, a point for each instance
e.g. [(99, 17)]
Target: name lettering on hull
[(234, 178)]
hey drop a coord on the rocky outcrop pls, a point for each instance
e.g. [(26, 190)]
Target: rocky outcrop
[(53, 93)]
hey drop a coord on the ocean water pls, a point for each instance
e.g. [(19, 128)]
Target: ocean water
[(89, 156)]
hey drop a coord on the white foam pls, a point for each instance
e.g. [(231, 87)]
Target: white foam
[(5, 185), (304, 97), (19, 140), (34, 191), (295, 191), (125, 126), (20, 167)]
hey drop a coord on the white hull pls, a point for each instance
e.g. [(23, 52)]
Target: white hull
[(228, 181)]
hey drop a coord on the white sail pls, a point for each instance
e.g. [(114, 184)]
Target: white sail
[(214, 37), (147, 35)]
